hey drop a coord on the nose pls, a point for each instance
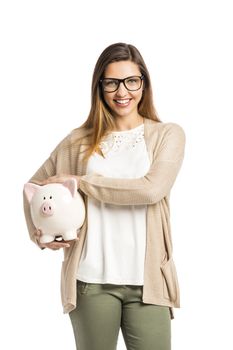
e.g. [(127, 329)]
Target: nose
[(121, 91), (46, 209)]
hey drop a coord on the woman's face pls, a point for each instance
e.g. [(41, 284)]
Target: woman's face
[(123, 102)]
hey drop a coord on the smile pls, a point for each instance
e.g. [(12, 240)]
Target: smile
[(123, 102)]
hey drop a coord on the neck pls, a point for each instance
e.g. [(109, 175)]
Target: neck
[(129, 122)]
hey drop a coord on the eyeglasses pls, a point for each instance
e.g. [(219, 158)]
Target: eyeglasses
[(132, 83)]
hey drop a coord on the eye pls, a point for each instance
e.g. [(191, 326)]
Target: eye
[(133, 80), (44, 198), (50, 197), (110, 83)]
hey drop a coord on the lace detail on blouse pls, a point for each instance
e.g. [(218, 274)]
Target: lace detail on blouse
[(119, 141)]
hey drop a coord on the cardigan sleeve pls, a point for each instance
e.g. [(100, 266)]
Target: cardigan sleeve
[(149, 189)]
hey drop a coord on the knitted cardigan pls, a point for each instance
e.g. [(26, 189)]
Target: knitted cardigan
[(165, 144)]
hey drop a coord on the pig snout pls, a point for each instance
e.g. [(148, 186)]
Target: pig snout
[(47, 209)]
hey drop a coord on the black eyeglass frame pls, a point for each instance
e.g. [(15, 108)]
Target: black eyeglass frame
[(122, 81)]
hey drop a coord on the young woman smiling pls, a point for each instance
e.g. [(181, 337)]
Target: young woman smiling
[(119, 273)]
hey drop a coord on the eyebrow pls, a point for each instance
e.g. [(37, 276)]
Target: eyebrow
[(130, 76)]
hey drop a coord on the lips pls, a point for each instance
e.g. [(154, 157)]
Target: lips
[(122, 102)]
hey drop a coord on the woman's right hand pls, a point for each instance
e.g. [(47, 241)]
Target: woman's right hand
[(54, 245), (59, 179)]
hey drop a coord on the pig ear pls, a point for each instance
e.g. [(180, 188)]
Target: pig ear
[(71, 184), (30, 189)]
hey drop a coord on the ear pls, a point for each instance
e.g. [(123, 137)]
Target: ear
[(30, 189), (72, 186)]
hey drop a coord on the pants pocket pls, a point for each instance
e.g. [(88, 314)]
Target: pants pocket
[(170, 281), (82, 287)]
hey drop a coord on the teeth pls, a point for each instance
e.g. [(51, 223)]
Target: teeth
[(122, 101)]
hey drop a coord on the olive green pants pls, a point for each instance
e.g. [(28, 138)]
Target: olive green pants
[(103, 309)]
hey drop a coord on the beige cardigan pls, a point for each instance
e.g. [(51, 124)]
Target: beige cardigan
[(165, 145)]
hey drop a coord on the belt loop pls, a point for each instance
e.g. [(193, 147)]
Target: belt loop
[(83, 286)]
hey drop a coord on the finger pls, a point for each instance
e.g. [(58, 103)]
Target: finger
[(51, 179), (58, 245), (37, 234), (70, 240), (78, 180)]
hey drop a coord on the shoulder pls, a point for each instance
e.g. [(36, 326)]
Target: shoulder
[(79, 133), (165, 130), (75, 137), (169, 139), (173, 129)]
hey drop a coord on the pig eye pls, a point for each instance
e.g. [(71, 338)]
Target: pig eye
[(44, 198), (50, 197)]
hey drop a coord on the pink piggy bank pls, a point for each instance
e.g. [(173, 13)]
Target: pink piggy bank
[(56, 209)]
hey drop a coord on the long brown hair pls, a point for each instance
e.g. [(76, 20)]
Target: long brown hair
[(100, 120)]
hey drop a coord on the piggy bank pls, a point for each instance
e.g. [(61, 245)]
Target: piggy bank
[(57, 209)]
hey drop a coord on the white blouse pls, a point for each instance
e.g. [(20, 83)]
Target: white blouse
[(114, 249)]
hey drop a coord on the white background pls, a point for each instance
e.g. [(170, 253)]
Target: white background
[(48, 52)]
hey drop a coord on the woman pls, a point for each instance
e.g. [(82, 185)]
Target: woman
[(119, 273)]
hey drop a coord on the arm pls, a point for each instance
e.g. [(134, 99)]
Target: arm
[(149, 189), (59, 161)]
